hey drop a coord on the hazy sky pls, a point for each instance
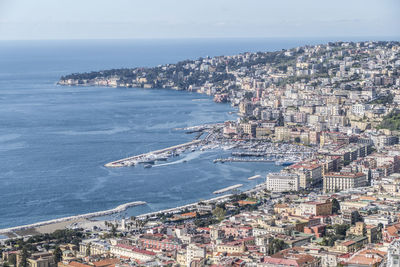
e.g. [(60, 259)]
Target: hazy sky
[(110, 19)]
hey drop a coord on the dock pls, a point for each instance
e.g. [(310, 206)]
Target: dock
[(226, 189), (232, 159), (150, 156)]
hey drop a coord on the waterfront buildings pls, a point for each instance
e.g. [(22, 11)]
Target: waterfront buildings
[(282, 182), (331, 110)]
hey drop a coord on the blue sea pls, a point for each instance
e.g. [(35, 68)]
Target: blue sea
[(55, 140)]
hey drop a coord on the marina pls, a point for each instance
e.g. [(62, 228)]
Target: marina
[(241, 150)]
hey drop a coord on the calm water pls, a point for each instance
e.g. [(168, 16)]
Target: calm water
[(54, 140)]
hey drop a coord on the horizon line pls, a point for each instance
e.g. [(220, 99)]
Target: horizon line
[(345, 37)]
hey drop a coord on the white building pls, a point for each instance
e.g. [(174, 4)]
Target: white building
[(132, 252), (342, 181), (393, 256), (282, 182), (194, 252), (359, 109)]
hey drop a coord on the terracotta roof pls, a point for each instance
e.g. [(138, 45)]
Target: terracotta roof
[(78, 264), (278, 261), (106, 262), (367, 257), (137, 250), (188, 214), (348, 243), (393, 230), (246, 202), (350, 175)]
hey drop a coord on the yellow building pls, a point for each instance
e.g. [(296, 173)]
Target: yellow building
[(282, 133), (41, 259), (231, 248), (351, 245), (315, 208)]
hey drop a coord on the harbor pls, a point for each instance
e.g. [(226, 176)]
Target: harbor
[(241, 150)]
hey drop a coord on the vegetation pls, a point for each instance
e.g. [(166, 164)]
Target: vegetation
[(57, 254), (335, 206), (24, 258), (237, 197), (339, 233), (276, 245), (12, 259), (58, 237), (388, 99), (205, 222), (219, 213), (391, 121), (88, 249)]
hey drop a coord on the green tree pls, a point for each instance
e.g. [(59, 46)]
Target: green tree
[(340, 229), (57, 254), (275, 246), (24, 258), (380, 229), (88, 249), (113, 230), (219, 213), (335, 206), (12, 259)]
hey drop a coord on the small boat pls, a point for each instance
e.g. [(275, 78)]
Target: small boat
[(148, 166), (283, 163)]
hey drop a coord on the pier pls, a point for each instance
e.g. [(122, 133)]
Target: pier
[(270, 154), (222, 160), (150, 156)]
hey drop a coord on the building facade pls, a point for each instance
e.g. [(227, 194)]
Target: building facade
[(282, 182)]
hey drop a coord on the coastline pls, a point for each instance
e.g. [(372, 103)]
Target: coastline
[(62, 223), (117, 209)]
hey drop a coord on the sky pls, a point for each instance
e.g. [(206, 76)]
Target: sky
[(131, 19)]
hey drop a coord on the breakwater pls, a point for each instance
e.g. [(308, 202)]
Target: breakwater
[(254, 177), (150, 156), (226, 189), (118, 209)]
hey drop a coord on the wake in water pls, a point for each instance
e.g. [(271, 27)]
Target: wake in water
[(114, 130), (189, 157)]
